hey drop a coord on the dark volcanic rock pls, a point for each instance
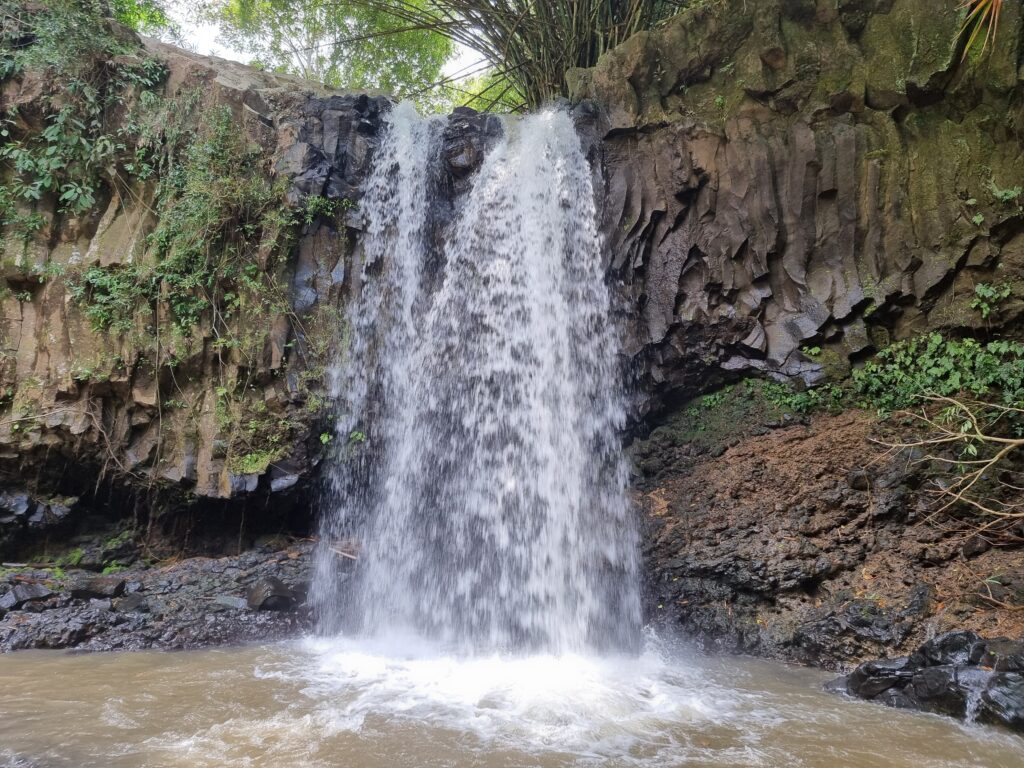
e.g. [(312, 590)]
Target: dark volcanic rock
[(190, 604), (270, 594), (23, 593), (952, 674), (86, 587), (773, 182)]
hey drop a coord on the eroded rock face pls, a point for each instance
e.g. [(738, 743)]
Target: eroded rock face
[(821, 174), (801, 541), (149, 410)]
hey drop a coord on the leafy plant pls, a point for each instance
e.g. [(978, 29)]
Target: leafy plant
[(255, 463), (316, 206), (1005, 195), (66, 160), (987, 297), (340, 43), (933, 365), (827, 397)]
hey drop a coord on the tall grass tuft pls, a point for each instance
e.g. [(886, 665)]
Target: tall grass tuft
[(982, 15)]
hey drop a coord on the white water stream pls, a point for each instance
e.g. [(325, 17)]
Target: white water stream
[(491, 509)]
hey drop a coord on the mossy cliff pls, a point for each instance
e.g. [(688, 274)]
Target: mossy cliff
[(170, 289), (829, 174)]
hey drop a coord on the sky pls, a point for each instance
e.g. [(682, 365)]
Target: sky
[(203, 38)]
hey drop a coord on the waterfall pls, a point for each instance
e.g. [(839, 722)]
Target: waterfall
[(479, 463)]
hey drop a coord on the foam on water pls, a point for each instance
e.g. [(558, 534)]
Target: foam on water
[(572, 703)]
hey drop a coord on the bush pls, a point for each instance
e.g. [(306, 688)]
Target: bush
[(934, 365)]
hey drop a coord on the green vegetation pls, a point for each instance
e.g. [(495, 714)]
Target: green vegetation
[(254, 463), (531, 45), (67, 159), (828, 397), (1005, 196), (354, 45), (525, 47), (987, 298), (216, 209), (934, 365), (74, 558), (147, 16)]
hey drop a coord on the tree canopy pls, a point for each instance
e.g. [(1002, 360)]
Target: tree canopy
[(342, 43)]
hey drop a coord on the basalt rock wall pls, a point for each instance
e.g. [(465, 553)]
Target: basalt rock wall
[(790, 174), (228, 418)]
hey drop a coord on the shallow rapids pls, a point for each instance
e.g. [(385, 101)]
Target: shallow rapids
[(339, 703)]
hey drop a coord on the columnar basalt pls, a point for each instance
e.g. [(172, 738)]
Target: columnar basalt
[(826, 174)]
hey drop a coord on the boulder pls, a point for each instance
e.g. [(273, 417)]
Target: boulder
[(270, 594), (958, 673), (132, 603), (23, 593), (1002, 702), (232, 602), (97, 586)]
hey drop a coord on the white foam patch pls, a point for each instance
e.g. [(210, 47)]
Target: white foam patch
[(578, 704)]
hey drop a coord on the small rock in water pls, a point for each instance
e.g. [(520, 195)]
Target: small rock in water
[(270, 594)]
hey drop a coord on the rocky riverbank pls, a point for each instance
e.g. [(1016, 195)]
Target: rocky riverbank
[(798, 539), (195, 602)]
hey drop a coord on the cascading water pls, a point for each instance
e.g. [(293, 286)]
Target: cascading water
[(489, 497)]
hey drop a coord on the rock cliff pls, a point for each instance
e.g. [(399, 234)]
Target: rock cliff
[(825, 174), (786, 192), (102, 378)]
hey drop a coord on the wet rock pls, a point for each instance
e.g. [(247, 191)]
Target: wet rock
[(874, 677), (133, 602), (186, 604), (1003, 700), (24, 593), (950, 649), (953, 674), (466, 139), (270, 594), (232, 602), (86, 587)]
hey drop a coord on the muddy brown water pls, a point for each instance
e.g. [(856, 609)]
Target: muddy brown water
[(314, 703)]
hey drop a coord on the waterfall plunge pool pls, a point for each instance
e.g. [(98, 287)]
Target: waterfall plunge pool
[(316, 703)]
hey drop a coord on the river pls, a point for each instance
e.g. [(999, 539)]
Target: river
[(339, 703)]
